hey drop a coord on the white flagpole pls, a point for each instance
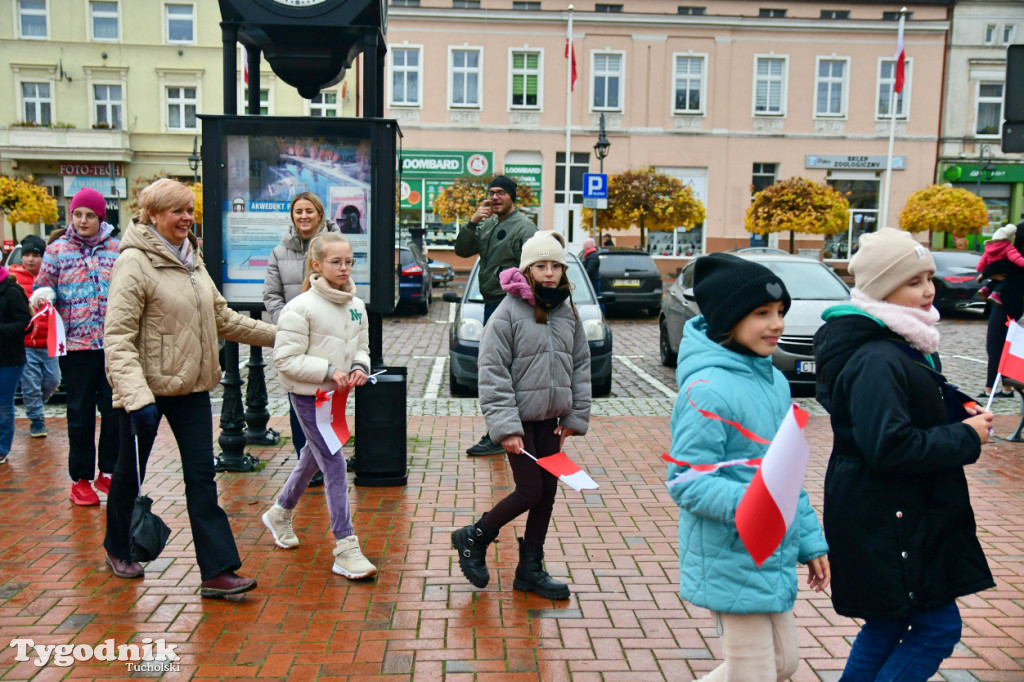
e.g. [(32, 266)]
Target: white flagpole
[(892, 125), (568, 123)]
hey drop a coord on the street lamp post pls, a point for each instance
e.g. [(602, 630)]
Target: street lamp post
[(601, 148), (194, 158), (982, 166)]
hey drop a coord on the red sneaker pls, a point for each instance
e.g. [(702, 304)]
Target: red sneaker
[(83, 495), (102, 483)]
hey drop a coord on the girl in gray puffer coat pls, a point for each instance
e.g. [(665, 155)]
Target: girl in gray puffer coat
[(534, 383)]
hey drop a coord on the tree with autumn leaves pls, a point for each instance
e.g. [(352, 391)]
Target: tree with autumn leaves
[(648, 199), (459, 200), (23, 201), (798, 205), (942, 208)]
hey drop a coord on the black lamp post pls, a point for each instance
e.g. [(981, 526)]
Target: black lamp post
[(194, 159), (601, 148)]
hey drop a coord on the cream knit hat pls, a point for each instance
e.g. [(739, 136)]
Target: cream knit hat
[(886, 260), (543, 245)]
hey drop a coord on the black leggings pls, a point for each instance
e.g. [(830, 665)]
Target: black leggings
[(535, 486), (995, 337)]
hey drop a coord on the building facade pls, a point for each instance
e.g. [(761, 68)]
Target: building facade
[(105, 93), (727, 96), (970, 154)]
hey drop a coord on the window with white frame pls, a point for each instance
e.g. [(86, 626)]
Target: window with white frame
[(689, 84), (529, 5), (181, 108), (607, 81), (770, 86), (181, 23), (103, 16), (886, 81), (32, 19), (405, 76), (36, 103), (324, 105), (764, 175), (990, 34), (830, 87), (525, 80), (465, 77), (264, 100), (988, 117), (108, 101), (1008, 34)]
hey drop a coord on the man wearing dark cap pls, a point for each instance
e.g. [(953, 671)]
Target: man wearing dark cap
[(496, 232), (42, 373)]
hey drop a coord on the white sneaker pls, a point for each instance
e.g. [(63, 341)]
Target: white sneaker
[(349, 560), (279, 521)]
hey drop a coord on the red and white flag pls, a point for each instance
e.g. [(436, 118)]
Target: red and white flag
[(245, 65), (1011, 364), (901, 59), (768, 508), (567, 471), (331, 420), (56, 339), (570, 53), (695, 470)]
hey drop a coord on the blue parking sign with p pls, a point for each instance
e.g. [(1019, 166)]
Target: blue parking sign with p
[(595, 186)]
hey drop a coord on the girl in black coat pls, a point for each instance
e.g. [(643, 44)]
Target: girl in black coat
[(898, 519), (14, 318)]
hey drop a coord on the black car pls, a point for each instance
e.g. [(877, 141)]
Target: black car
[(956, 283), (414, 286), (629, 280), (464, 342)]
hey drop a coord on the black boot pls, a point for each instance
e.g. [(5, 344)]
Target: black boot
[(471, 543), (531, 576)]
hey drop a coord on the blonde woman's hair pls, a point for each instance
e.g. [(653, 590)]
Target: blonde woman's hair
[(316, 250), (163, 195), (317, 204)]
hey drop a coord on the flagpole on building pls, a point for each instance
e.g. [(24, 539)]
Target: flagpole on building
[(568, 122), (897, 87)]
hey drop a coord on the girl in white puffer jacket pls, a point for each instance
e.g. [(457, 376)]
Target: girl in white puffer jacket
[(322, 345)]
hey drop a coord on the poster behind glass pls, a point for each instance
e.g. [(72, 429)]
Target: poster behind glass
[(264, 174)]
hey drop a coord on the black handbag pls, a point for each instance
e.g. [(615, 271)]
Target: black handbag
[(148, 533)]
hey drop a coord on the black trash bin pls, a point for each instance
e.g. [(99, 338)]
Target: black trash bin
[(381, 459)]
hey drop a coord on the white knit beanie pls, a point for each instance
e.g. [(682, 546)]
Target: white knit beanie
[(1006, 232), (885, 261), (543, 245)]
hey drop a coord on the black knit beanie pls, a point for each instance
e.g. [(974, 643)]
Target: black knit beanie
[(506, 183), (33, 243), (727, 288)]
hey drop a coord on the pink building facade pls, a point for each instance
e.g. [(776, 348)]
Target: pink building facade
[(724, 95)]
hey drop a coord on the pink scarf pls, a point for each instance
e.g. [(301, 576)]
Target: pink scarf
[(913, 324)]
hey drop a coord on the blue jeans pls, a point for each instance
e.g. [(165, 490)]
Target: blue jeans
[(9, 376), (38, 382), (907, 650)]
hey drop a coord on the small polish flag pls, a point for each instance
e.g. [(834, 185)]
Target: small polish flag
[(56, 339), (768, 507), (566, 470), (1011, 364), (331, 420), (901, 58)]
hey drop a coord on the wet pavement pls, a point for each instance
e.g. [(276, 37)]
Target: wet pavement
[(419, 619)]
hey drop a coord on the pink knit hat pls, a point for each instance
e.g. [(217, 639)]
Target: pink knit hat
[(91, 199)]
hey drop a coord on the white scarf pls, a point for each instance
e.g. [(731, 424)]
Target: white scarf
[(913, 324)]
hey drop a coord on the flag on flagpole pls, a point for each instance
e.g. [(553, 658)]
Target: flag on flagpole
[(331, 420), (768, 507), (245, 65), (570, 53), (901, 58), (1011, 364), (567, 471)]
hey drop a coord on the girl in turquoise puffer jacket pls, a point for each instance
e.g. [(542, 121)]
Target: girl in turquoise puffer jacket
[(725, 368)]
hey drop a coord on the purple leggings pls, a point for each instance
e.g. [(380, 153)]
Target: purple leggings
[(315, 455)]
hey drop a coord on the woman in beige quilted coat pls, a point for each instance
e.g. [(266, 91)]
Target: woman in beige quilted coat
[(164, 315)]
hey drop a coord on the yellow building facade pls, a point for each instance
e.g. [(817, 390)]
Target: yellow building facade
[(105, 94)]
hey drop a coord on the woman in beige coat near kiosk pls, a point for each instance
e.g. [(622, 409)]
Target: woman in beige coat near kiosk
[(164, 315)]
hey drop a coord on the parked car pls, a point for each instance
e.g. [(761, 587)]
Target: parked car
[(440, 272), (812, 286), (629, 280), (414, 286), (956, 284), (14, 257), (464, 341)]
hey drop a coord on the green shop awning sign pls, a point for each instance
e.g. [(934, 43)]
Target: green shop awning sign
[(968, 172), (526, 174), (426, 171)]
